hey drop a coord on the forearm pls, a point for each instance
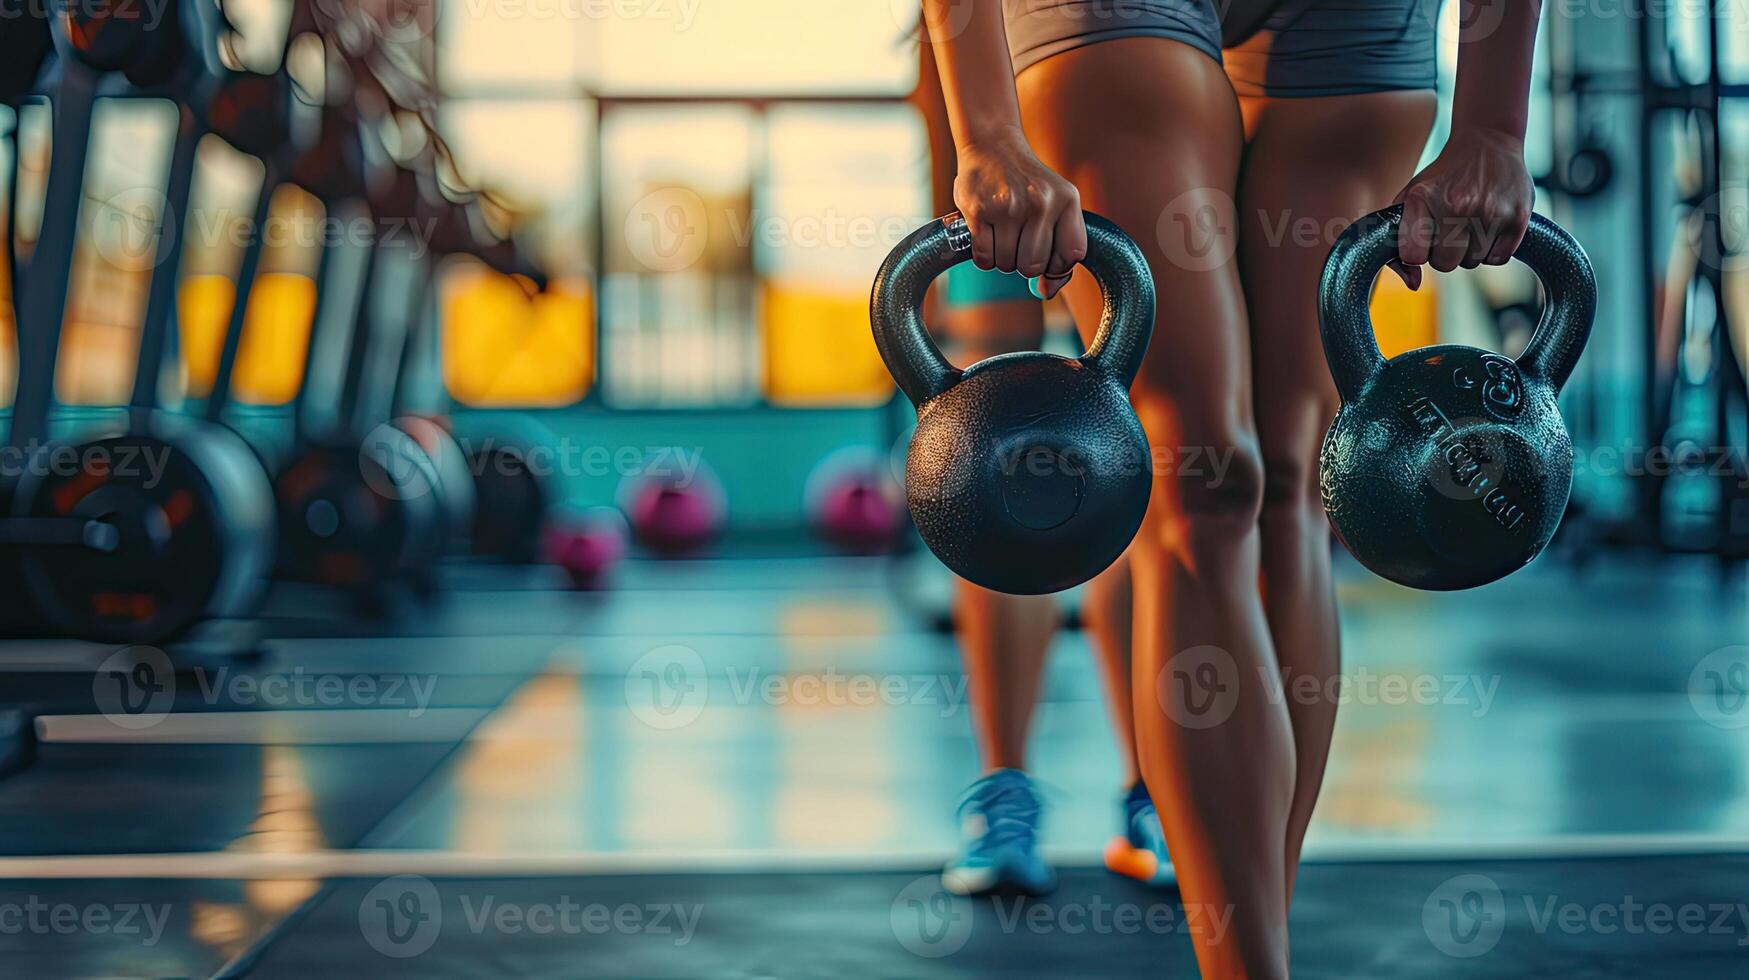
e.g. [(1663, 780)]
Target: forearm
[(977, 75), (1496, 46)]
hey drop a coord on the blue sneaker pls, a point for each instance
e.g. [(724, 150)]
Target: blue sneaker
[(1140, 852), (999, 819)]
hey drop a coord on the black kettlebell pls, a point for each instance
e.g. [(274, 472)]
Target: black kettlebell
[(1448, 467), (1028, 473)]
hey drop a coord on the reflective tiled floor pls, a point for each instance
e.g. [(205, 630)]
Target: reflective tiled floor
[(792, 714)]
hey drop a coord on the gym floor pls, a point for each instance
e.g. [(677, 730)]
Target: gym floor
[(742, 766)]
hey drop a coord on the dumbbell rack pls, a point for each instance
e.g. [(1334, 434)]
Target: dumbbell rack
[(1671, 408)]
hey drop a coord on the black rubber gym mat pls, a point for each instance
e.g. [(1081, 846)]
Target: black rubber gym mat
[(320, 682), (121, 798), (1678, 917), (136, 928)]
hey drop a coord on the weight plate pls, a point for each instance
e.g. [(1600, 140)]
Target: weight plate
[(455, 483), (354, 514), (510, 504), (194, 534)]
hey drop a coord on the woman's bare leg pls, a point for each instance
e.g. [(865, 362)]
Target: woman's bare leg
[(1312, 166), (1147, 127), (1004, 639), (1106, 616)]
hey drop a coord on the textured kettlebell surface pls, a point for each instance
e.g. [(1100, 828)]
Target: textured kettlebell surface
[(1448, 467), (974, 449), (1451, 469)]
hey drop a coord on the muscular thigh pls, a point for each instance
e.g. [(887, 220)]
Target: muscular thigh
[(1148, 130), (1311, 166)]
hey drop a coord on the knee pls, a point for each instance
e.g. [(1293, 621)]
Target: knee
[(1290, 482), (1212, 506)]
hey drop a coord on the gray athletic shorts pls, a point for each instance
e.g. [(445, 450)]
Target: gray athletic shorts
[(1301, 48)]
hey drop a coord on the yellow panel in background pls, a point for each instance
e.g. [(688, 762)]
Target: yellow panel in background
[(203, 304), (276, 330), (818, 348), (276, 334), (504, 348), (1405, 319)]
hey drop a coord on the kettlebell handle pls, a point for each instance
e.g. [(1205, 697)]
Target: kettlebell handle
[(1345, 291), (895, 305)]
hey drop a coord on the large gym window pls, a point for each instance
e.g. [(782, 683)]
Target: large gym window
[(672, 161), (502, 346), (125, 173)]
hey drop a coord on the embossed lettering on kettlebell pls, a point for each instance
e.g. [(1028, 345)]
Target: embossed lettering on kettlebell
[(1502, 388), (1468, 466), (1429, 441)]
